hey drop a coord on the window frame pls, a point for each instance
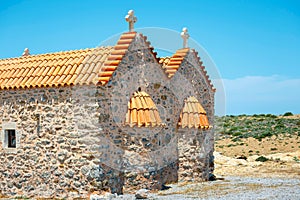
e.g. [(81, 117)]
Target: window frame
[(7, 145)]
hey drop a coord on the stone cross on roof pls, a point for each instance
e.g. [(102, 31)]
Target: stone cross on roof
[(26, 52), (185, 36), (131, 19)]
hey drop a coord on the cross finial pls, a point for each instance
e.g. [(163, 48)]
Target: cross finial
[(131, 19), (26, 52), (185, 36)]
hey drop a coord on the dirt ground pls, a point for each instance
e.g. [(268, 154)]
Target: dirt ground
[(251, 146), (238, 158)]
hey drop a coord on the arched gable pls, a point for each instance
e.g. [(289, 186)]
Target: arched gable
[(131, 51)]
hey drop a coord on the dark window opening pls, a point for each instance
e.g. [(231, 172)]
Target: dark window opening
[(11, 136)]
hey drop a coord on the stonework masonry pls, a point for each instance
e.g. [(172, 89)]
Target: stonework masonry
[(72, 140)]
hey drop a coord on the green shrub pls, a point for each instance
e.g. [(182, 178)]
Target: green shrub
[(259, 137), (226, 124), (279, 126), (235, 128), (271, 116), (261, 159), (288, 114), (231, 145), (21, 197), (257, 126), (236, 139), (267, 134), (237, 134)]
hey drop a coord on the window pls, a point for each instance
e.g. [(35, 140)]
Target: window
[(11, 138)]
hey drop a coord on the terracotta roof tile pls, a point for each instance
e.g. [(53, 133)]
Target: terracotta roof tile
[(117, 55), (88, 66), (193, 115), (142, 111), (53, 69), (171, 64)]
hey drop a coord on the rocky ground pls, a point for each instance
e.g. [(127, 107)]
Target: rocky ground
[(245, 178), (238, 188)]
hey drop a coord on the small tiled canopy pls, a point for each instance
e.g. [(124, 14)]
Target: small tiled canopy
[(142, 111), (193, 115)]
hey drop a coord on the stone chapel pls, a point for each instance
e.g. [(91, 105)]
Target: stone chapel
[(111, 118)]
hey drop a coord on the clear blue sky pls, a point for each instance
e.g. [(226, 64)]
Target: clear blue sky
[(254, 43)]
